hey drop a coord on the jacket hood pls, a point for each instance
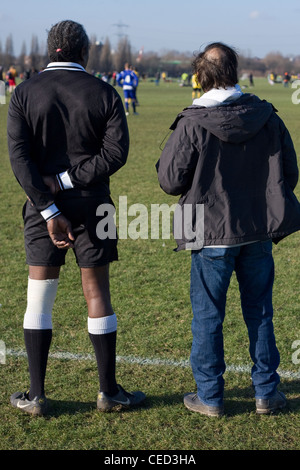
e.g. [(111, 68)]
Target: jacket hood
[(235, 122), (219, 96)]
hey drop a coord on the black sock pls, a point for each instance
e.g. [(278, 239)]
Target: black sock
[(37, 343), (105, 351)]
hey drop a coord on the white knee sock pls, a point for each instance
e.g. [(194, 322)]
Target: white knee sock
[(102, 325), (40, 300)]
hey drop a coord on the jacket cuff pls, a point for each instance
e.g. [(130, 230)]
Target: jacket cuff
[(51, 212), (64, 181)]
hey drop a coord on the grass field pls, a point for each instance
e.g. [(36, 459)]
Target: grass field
[(150, 295)]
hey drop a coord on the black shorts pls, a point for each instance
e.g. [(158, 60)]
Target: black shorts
[(90, 251)]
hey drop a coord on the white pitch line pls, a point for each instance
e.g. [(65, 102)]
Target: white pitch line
[(148, 362)]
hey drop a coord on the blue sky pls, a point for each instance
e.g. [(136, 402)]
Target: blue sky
[(254, 28)]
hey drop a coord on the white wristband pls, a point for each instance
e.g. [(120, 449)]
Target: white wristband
[(51, 212), (64, 181)]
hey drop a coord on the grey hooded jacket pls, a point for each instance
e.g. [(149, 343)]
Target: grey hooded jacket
[(237, 162)]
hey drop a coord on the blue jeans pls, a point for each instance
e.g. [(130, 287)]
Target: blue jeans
[(211, 271)]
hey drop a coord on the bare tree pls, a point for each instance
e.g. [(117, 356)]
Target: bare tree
[(22, 56), (34, 52), (276, 62), (94, 55), (123, 54), (1, 57), (103, 59), (106, 62), (9, 58), (149, 64)]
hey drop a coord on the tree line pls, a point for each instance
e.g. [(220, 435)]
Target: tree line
[(106, 59)]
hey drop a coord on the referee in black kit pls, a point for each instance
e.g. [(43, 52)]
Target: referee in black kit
[(67, 133)]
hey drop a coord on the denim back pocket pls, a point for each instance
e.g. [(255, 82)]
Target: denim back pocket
[(215, 253)]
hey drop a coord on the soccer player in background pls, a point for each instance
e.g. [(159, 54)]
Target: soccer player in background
[(196, 88), (67, 134), (128, 80)]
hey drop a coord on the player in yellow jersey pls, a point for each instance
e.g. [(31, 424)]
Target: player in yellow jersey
[(196, 87)]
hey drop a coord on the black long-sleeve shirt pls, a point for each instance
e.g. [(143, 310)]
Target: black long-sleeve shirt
[(65, 122)]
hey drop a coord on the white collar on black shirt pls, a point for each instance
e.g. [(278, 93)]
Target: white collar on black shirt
[(65, 66)]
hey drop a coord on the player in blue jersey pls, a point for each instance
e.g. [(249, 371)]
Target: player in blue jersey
[(128, 80)]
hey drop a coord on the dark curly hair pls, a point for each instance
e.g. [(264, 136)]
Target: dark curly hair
[(216, 66), (66, 40)]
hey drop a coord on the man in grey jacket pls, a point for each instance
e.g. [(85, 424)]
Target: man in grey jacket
[(232, 160)]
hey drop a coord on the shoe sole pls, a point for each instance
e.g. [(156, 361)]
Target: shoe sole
[(205, 410), (206, 413), (107, 406), (276, 407), (33, 410), (114, 407), (268, 411)]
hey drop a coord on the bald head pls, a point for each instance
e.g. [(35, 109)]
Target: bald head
[(216, 67), (214, 54)]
